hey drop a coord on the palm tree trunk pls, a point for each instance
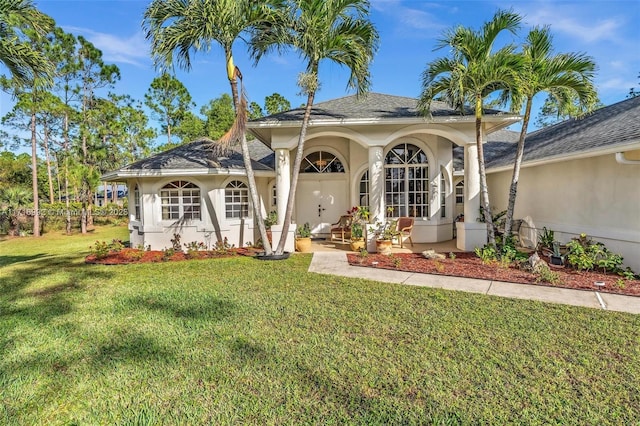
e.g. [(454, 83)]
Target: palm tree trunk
[(484, 191), (251, 178), (296, 171), (513, 189), (255, 199), (34, 177)]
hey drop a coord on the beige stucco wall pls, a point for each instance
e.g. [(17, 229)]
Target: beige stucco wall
[(595, 195), (213, 225)]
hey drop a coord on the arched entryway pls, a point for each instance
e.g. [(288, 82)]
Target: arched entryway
[(322, 195)]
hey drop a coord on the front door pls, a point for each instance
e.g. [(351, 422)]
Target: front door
[(321, 202)]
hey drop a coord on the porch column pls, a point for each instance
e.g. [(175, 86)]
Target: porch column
[(283, 182), (471, 233), (376, 191), (376, 183), (471, 183)]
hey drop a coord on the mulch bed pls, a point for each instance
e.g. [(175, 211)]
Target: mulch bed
[(468, 265), (128, 255)]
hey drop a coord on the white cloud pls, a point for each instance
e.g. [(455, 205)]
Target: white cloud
[(127, 50), (619, 65), (574, 20), (616, 84), (410, 19)]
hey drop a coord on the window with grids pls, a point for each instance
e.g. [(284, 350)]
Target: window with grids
[(363, 190), (407, 181), (236, 199), (274, 195), (321, 162), (460, 192), (443, 194), (136, 202), (180, 199)]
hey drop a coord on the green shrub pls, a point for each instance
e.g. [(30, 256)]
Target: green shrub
[(544, 274), (100, 249), (487, 253)]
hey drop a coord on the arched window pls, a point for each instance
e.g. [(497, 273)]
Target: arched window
[(321, 162), (136, 202), (180, 199), (363, 190), (407, 181), (460, 192), (236, 198)]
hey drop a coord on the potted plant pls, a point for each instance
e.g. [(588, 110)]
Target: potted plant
[(303, 238), (360, 216), (384, 234), (357, 238), (269, 221)]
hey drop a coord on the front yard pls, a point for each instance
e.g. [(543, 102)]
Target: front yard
[(241, 341)]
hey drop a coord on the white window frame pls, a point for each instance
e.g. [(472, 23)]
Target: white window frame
[(397, 176), (363, 189), (237, 205), (180, 199), (460, 195), (137, 205), (443, 194), (325, 163)]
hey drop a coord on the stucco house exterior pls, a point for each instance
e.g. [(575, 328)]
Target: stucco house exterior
[(578, 176), (376, 150)]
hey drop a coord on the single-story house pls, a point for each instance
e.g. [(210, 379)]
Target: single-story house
[(379, 151)]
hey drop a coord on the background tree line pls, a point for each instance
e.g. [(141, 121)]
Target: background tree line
[(67, 110)]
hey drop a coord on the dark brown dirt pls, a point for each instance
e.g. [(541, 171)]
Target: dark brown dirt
[(126, 256), (470, 266)]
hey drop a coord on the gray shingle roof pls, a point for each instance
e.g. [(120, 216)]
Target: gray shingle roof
[(199, 155), (370, 106), (499, 143), (617, 124)]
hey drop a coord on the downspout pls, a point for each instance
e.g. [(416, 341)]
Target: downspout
[(621, 160)]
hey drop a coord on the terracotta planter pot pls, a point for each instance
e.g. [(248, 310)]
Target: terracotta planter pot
[(270, 236), (383, 246), (303, 245), (356, 245)]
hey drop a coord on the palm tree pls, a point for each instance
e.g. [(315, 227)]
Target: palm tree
[(178, 28), (334, 30), (564, 77), (24, 62), (12, 202), (472, 73)]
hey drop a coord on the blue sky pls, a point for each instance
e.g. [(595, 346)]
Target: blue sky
[(409, 29)]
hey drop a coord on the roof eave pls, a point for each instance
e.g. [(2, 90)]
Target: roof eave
[(609, 150), (257, 125), (131, 174)]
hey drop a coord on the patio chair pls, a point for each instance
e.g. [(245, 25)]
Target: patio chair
[(341, 228), (405, 226)]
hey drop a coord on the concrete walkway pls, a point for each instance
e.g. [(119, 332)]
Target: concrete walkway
[(335, 263)]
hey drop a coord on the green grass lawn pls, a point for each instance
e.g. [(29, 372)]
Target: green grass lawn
[(241, 341)]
